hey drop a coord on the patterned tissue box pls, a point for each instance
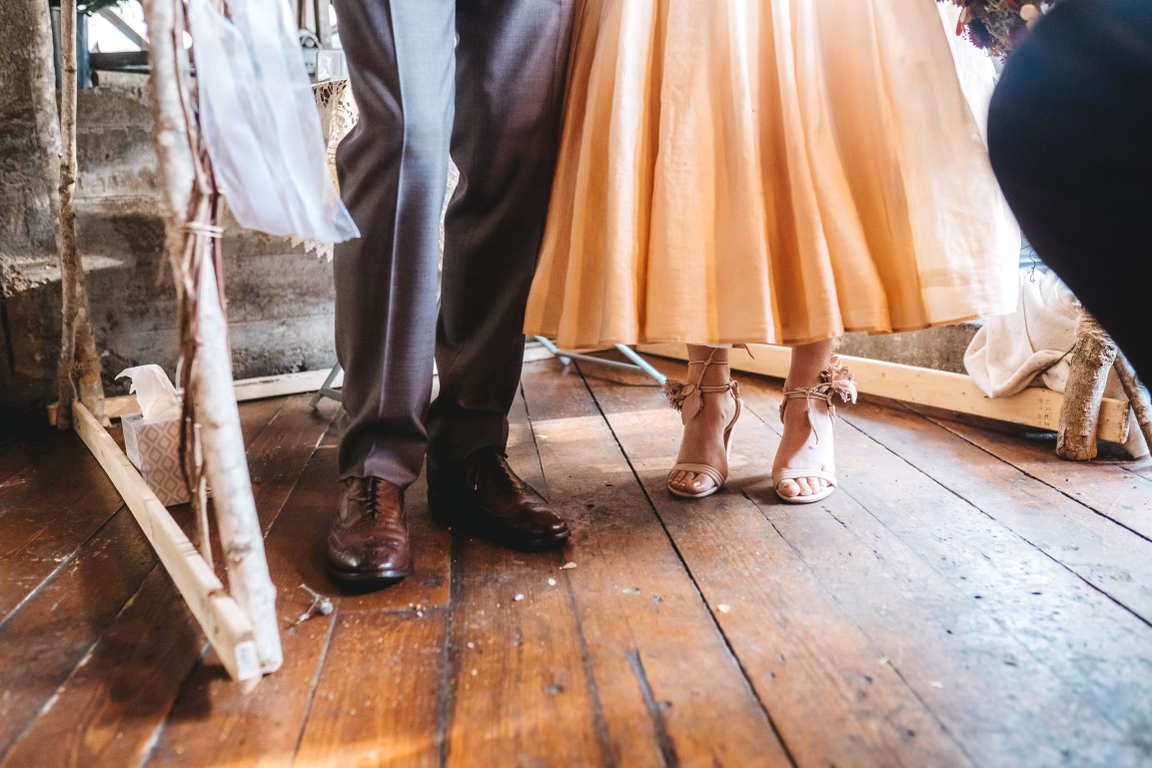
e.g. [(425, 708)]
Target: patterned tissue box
[(153, 445)]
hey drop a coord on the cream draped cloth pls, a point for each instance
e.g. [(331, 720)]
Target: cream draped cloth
[(770, 171)]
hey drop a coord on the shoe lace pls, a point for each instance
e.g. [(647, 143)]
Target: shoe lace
[(370, 496), (504, 476)]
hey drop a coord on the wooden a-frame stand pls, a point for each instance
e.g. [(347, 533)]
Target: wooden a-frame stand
[(242, 625)]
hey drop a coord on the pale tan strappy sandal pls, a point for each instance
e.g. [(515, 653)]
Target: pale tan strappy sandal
[(834, 380), (688, 398)]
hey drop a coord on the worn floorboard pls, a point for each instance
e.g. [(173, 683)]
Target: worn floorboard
[(964, 599), (639, 608), (936, 585), (807, 659)]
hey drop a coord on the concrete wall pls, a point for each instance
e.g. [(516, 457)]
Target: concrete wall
[(29, 146), (280, 299)]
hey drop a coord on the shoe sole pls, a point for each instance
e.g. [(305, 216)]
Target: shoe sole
[(683, 495), (359, 582)]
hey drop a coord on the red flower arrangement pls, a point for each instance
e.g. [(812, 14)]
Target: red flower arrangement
[(996, 26)]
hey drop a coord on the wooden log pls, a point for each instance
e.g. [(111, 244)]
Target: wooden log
[(1137, 397), (226, 626), (78, 372), (1034, 407), (1092, 359)]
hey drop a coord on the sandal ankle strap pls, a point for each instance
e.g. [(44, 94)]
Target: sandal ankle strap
[(834, 380), (687, 396)]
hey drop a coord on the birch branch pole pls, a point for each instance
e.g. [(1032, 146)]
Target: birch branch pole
[(79, 368), (193, 244)]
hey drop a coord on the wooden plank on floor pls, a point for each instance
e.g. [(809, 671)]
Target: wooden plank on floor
[(1143, 467), (262, 728), (666, 678), (110, 706), (109, 710), (378, 702), (23, 441), (279, 453), (1105, 487), (517, 681), (1104, 554), (43, 642), (47, 512), (1008, 698), (826, 689)]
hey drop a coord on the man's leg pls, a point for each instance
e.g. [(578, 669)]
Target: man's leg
[(1070, 136), (512, 60), (392, 169)]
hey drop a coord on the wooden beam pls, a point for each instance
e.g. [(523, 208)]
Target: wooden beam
[(246, 389), (124, 28), (227, 628), (1034, 407)]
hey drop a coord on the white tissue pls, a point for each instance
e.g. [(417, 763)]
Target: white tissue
[(154, 392)]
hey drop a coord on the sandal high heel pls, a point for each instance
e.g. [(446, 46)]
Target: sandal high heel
[(688, 398), (834, 380)]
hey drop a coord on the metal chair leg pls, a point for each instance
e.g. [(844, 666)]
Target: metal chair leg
[(638, 363), (326, 389)]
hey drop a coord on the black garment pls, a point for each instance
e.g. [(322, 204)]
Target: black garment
[(1070, 136)]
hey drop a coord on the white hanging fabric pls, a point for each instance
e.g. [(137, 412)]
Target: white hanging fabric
[(260, 123)]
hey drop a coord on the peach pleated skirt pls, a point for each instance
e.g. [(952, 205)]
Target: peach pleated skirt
[(770, 171)]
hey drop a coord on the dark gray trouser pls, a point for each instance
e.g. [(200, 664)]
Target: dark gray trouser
[(496, 102)]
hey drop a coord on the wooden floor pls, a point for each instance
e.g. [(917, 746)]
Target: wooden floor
[(965, 599)]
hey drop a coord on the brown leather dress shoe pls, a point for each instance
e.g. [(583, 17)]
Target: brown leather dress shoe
[(483, 496), (368, 540)]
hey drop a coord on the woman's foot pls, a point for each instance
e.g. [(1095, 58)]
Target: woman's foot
[(806, 446), (804, 469), (709, 403)]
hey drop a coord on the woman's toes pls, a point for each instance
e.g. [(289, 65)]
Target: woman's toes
[(700, 483), (802, 486), (690, 482), (788, 488)]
